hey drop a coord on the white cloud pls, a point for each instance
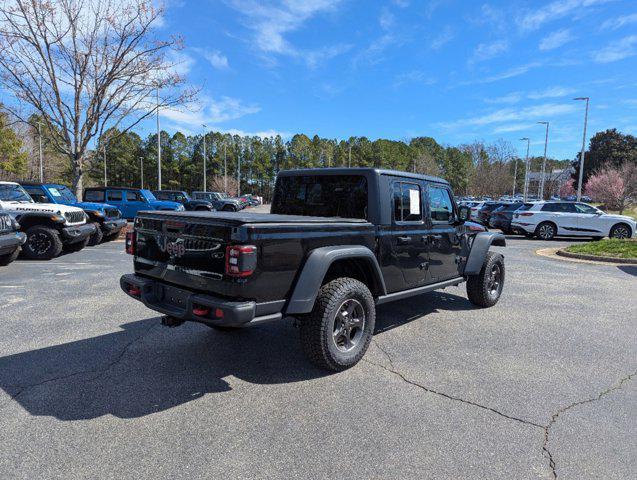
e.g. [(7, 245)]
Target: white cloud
[(511, 73), (272, 20), (401, 3), (414, 76), (617, 50), (387, 19), (513, 97), (556, 39), (534, 19), (314, 58), (537, 112), (442, 39), (179, 62), (616, 23), (552, 92), (209, 111), (217, 59), (485, 51), (516, 127)]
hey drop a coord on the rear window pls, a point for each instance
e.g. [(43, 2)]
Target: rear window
[(321, 196)]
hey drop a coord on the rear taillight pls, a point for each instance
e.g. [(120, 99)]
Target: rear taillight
[(131, 240), (241, 260)]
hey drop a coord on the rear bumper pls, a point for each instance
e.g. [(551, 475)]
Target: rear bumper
[(77, 234), (10, 241), (111, 226), (181, 303)]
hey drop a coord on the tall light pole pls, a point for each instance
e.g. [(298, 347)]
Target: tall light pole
[(204, 157), (526, 168), (158, 145), (515, 176), (546, 142), (349, 160), (225, 169), (141, 172), (41, 162), (239, 175), (581, 158)]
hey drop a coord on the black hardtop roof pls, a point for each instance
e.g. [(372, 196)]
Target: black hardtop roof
[(114, 188), (360, 171), (41, 184)]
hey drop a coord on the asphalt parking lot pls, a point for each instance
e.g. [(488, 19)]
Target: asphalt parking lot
[(540, 385)]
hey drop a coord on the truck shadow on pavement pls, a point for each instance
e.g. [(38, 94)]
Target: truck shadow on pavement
[(145, 368)]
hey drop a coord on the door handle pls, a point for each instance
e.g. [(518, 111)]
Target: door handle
[(403, 240)]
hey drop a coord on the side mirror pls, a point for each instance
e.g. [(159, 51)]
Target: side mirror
[(464, 213)]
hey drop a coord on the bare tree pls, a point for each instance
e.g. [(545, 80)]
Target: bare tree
[(85, 66), (217, 184)]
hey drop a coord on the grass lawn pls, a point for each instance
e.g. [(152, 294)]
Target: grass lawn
[(607, 248)]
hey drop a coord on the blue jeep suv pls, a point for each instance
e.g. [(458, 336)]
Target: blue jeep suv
[(129, 200), (107, 218)]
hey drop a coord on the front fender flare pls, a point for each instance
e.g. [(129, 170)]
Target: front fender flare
[(479, 249), (313, 272)]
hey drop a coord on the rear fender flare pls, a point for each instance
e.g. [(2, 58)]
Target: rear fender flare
[(481, 244), (316, 266)]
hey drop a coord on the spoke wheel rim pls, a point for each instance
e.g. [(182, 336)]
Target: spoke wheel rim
[(495, 280), (546, 231), (620, 232), (349, 325), (40, 243)]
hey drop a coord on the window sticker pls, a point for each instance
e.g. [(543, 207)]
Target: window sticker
[(414, 202)]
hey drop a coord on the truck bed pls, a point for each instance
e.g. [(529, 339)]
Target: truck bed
[(242, 218)]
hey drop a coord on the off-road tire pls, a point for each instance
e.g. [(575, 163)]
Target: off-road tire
[(480, 289), (46, 234), (620, 227), (109, 237), (9, 257), (77, 246), (546, 231), (317, 328), (97, 237)]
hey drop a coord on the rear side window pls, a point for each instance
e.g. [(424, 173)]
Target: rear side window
[(440, 205), (114, 196), (407, 204), (321, 196), (524, 207), (37, 194), (94, 195)]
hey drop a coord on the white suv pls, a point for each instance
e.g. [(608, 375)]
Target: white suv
[(573, 219)]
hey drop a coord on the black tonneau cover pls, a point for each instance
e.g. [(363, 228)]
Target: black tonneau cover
[(240, 218)]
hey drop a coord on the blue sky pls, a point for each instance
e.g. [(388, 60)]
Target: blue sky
[(456, 70)]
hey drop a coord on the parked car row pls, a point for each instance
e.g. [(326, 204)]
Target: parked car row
[(549, 219), (40, 220)]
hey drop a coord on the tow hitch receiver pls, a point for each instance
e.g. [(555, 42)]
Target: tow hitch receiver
[(170, 321)]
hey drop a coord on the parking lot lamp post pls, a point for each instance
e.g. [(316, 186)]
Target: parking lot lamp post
[(204, 157), (349, 158), (239, 175), (581, 158), (104, 155), (526, 168), (546, 143), (158, 145), (41, 163), (141, 172), (225, 169), (515, 175)]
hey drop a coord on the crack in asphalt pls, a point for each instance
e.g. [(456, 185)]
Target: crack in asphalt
[(448, 396), (554, 417), (99, 371), (545, 428)]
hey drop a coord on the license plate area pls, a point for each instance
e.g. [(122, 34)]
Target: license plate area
[(171, 297)]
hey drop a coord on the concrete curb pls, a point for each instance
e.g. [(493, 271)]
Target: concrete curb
[(552, 253), (596, 258)]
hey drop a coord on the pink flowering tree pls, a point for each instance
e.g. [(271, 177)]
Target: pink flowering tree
[(608, 187), (568, 188)]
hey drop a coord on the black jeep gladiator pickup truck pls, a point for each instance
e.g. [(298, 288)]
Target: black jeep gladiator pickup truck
[(337, 243)]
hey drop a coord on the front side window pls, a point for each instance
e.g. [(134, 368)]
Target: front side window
[(321, 196), (37, 194), (440, 205), (114, 196), (407, 205), (14, 193), (63, 193), (132, 196), (583, 208)]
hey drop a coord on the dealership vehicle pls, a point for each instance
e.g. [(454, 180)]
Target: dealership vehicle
[(106, 218), (547, 220), (129, 201), (221, 201), (49, 227), (501, 217), (11, 239), (338, 242), (484, 212), (182, 197)]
